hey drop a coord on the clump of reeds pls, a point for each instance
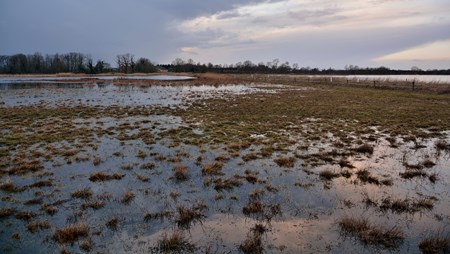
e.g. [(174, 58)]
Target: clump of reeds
[(213, 168), (186, 215), (35, 225), (371, 234), (180, 172), (174, 242), (71, 233), (84, 193), (127, 197), (253, 243), (438, 243), (287, 162), (103, 176), (365, 148)]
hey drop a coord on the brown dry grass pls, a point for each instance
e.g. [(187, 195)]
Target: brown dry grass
[(213, 168), (84, 193), (127, 197), (287, 162), (103, 176), (371, 234), (187, 215), (174, 242), (438, 243), (71, 233), (180, 172)]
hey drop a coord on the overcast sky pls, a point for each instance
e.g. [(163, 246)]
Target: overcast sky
[(315, 33)]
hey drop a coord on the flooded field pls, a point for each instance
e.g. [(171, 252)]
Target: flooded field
[(220, 165)]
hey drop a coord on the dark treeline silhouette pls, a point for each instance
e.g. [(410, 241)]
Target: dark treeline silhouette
[(48, 64), (126, 63), (274, 67), (71, 62)]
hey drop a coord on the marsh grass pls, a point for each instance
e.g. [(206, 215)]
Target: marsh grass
[(187, 215), (36, 225), (71, 233), (94, 204), (25, 215), (227, 184), (365, 176), (159, 215), (174, 242), (86, 244), (371, 234), (84, 193), (127, 197), (257, 208), (328, 174), (438, 243), (253, 243), (406, 205), (213, 168), (180, 172), (6, 212), (103, 176), (10, 187), (148, 165), (112, 223), (286, 162), (39, 184)]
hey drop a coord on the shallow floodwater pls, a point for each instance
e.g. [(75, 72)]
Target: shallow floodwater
[(444, 79), (61, 94), (309, 206), (9, 80)]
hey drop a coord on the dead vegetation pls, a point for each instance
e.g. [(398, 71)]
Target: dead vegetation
[(10, 187), (94, 204), (187, 215), (6, 212), (253, 243), (406, 205), (439, 243), (71, 233), (213, 168), (180, 172), (36, 225), (25, 215), (328, 174), (112, 223), (127, 197), (257, 208), (84, 193), (103, 176), (286, 162), (174, 242), (371, 234)]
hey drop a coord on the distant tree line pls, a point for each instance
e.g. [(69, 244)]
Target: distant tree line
[(126, 63), (71, 62), (48, 64), (275, 67)]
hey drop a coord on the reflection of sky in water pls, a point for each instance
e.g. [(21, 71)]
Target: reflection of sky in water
[(107, 95), (9, 80)]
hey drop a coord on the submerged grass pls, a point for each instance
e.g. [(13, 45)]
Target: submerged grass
[(371, 234)]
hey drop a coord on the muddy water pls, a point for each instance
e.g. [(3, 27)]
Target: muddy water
[(310, 206)]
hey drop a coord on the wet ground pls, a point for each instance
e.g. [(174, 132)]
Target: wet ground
[(127, 163)]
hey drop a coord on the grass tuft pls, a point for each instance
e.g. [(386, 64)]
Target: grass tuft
[(371, 234), (71, 233), (213, 168)]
